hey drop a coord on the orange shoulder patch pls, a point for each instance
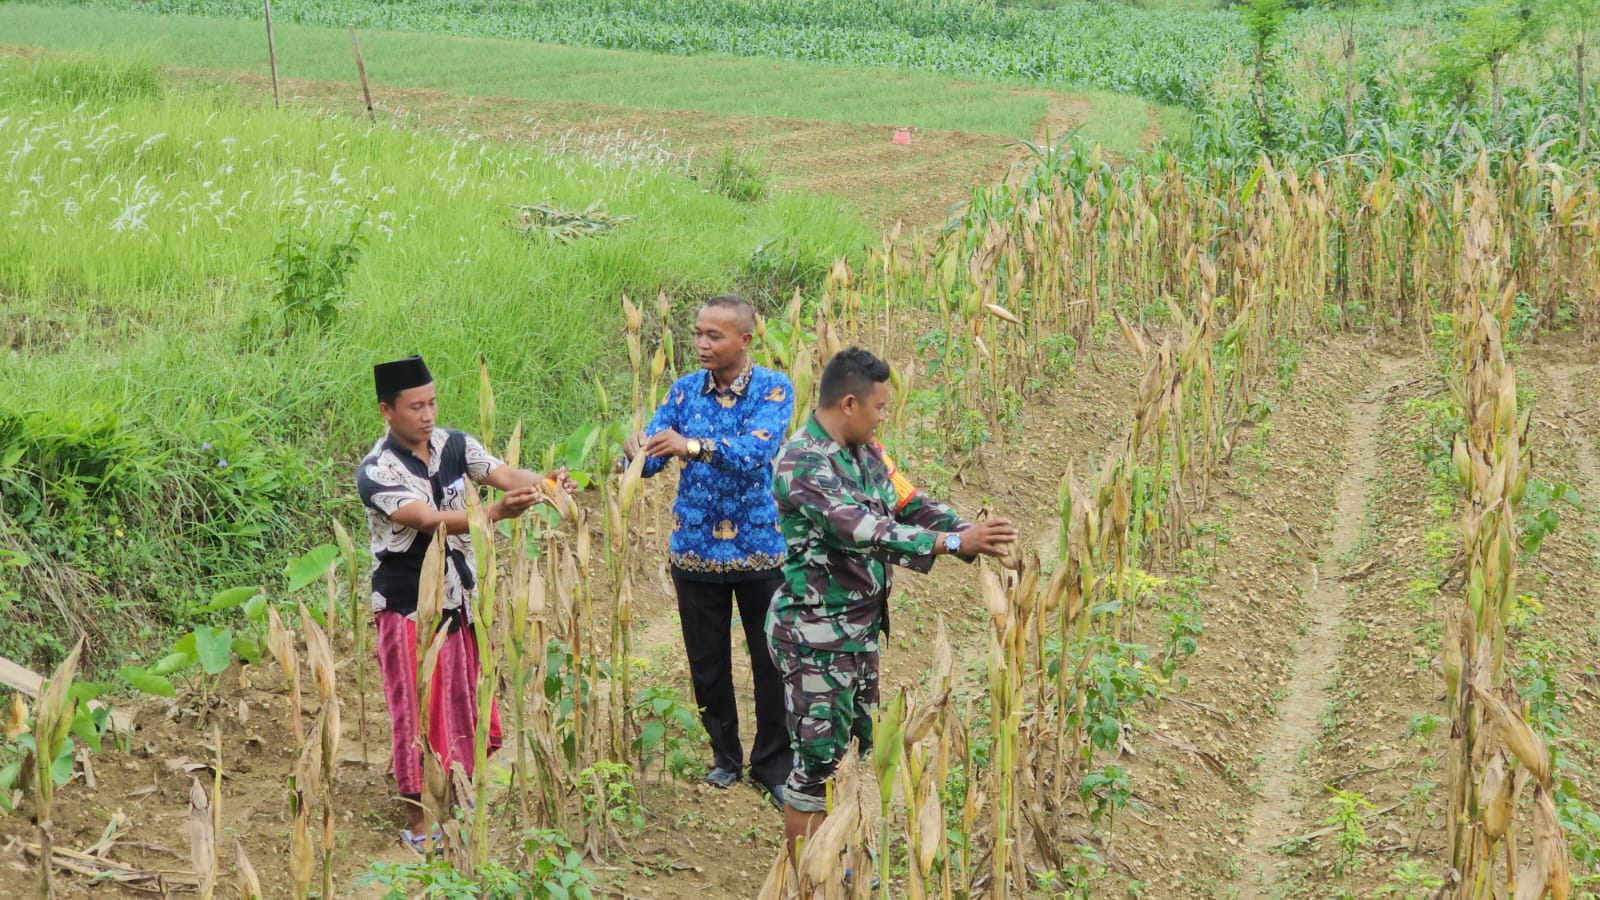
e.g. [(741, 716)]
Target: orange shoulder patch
[(904, 490)]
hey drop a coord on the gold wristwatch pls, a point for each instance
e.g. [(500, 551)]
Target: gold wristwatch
[(694, 448)]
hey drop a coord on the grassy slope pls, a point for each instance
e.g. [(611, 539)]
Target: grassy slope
[(138, 231), (484, 67)]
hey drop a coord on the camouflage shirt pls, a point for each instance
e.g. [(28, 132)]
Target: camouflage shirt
[(846, 515)]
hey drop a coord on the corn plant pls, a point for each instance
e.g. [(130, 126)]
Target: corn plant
[(1493, 753), (484, 610), (359, 616), (322, 752), (52, 722)]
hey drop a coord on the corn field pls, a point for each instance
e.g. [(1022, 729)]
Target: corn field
[(1206, 274)]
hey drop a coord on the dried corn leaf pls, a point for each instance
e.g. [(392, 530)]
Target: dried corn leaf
[(566, 226)]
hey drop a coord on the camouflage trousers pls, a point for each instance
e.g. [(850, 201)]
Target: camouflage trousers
[(830, 696)]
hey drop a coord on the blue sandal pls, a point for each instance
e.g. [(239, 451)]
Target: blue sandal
[(417, 842)]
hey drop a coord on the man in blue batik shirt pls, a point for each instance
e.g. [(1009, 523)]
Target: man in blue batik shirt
[(727, 423)]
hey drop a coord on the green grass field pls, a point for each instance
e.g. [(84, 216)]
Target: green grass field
[(158, 382), (485, 67)]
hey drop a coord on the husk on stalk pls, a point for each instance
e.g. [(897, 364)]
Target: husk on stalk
[(1492, 748), (359, 616), (52, 723)]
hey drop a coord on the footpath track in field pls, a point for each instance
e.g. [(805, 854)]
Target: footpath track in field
[(1376, 737), (1316, 660)]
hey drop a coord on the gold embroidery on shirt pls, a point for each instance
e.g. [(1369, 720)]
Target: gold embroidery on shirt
[(778, 394), (763, 434), (726, 401), (725, 531), (755, 562)]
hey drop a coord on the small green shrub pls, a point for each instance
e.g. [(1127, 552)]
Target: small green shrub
[(738, 176), (551, 870), (309, 280)]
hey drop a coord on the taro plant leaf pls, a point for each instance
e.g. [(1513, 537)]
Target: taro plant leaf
[(247, 649), (229, 599), (146, 681), (87, 724), (84, 691), (180, 658), (214, 646), (255, 609), (580, 444), (8, 783), (61, 768), (311, 566)]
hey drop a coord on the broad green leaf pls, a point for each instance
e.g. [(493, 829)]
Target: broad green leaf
[(255, 609), (148, 682), (175, 661), (247, 649), (311, 566), (650, 734), (85, 726), (84, 691), (580, 444), (215, 648), (229, 598), (61, 769)]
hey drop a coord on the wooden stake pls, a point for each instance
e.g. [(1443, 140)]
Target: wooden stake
[(361, 69), (272, 56)]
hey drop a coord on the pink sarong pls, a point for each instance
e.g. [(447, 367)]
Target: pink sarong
[(452, 701)]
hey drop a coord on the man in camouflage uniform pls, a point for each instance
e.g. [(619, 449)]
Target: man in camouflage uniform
[(846, 515)]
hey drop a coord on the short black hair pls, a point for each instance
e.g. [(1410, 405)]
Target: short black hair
[(388, 399), (745, 309), (850, 372)]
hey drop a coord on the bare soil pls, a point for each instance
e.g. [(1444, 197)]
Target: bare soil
[(1317, 668), (1313, 669)]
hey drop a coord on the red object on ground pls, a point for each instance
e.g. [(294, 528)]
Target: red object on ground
[(901, 136)]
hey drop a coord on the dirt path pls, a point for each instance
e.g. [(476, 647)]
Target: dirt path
[(1572, 417), (1274, 817)]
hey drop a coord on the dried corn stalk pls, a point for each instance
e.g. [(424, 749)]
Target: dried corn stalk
[(1491, 744)]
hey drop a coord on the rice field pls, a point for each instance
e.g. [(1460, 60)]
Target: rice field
[(1300, 450)]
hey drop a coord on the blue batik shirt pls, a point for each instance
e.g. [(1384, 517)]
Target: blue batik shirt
[(726, 519)]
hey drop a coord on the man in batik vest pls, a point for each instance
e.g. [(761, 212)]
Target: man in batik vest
[(414, 480)]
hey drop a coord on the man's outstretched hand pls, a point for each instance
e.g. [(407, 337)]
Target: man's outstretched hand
[(562, 479), (991, 537), (633, 444), (514, 503), (661, 445)]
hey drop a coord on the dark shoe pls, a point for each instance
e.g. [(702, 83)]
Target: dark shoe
[(722, 778), (774, 793)]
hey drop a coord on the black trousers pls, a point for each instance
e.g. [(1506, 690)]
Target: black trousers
[(705, 606)]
